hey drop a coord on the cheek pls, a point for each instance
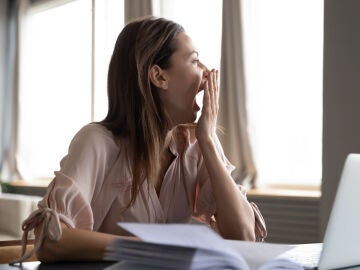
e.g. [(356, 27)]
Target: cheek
[(193, 80), (186, 84)]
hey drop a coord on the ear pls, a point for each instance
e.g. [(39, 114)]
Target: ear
[(158, 77)]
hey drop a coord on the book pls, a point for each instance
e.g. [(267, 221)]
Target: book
[(193, 247)]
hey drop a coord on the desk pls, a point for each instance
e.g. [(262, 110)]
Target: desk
[(72, 266), (11, 250), (58, 266), (255, 254)]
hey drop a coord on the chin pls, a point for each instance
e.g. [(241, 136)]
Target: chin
[(186, 117), (190, 120)]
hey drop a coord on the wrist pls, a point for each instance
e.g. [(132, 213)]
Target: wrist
[(205, 140)]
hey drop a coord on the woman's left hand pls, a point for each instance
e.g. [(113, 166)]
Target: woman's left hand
[(206, 126)]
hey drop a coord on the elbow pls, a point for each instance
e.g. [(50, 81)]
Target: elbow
[(248, 232), (249, 235), (240, 230), (245, 234)]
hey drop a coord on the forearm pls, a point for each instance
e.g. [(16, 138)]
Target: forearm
[(75, 245), (235, 217)]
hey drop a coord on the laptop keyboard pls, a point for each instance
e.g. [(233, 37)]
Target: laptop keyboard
[(307, 255)]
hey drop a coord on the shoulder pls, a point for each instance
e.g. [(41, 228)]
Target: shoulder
[(94, 133), (91, 144), (93, 138), (94, 130)]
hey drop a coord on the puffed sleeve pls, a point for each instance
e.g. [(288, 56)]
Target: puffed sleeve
[(69, 195)]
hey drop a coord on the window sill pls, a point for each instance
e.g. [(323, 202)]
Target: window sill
[(35, 183), (38, 187), (310, 192), (34, 188)]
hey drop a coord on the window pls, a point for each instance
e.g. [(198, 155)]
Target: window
[(283, 52), (60, 87), (64, 71)]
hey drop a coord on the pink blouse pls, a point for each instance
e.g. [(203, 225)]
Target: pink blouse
[(93, 187)]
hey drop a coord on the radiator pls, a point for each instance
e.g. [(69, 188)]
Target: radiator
[(290, 219)]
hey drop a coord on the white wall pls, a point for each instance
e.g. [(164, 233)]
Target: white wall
[(341, 133)]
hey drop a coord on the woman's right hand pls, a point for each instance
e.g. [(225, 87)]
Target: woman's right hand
[(206, 126)]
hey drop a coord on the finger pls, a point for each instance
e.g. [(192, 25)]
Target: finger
[(217, 93), (204, 68), (213, 90), (215, 83), (209, 82), (206, 97), (205, 75)]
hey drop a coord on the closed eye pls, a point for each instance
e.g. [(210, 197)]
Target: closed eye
[(196, 61)]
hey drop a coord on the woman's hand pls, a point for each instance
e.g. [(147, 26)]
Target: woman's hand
[(206, 126), (234, 215)]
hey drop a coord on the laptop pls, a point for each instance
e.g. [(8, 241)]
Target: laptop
[(341, 246)]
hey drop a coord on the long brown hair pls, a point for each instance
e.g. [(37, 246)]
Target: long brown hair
[(135, 109)]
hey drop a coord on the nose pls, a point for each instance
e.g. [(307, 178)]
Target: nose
[(205, 74), (205, 70)]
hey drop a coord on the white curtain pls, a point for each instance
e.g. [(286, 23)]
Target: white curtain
[(232, 114), (11, 18), (137, 8), (3, 69)]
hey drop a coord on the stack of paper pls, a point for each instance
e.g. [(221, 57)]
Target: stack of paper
[(173, 246), (190, 246)]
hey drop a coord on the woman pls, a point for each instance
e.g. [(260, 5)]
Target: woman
[(146, 161)]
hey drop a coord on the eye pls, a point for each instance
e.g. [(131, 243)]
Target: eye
[(196, 61)]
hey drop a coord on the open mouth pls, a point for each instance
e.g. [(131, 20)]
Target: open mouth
[(199, 96), (196, 106), (198, 100)]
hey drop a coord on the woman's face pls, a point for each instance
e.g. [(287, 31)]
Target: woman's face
[(185, 78)]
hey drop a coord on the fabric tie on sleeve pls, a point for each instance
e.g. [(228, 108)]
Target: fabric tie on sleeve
[(51, 226), (260, 226)]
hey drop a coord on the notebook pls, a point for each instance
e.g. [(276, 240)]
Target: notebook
[(341, 246)]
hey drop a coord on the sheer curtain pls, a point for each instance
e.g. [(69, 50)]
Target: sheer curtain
[(4, 26), (283, 42), (109, 21), (137, 8), (55, 85), (63, 85), (12, 16), (232, 114)]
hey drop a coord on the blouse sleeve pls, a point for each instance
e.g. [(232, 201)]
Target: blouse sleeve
[(69, 195)]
